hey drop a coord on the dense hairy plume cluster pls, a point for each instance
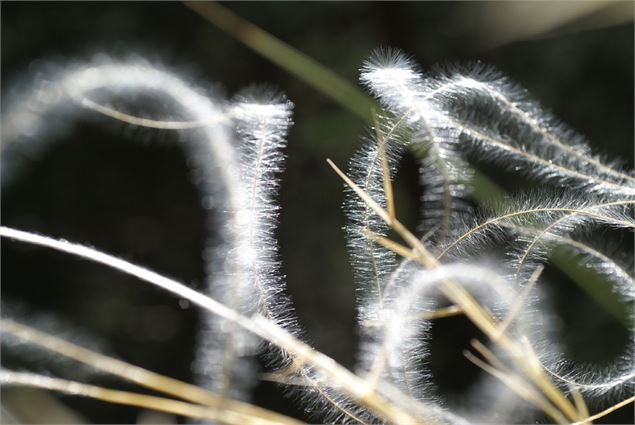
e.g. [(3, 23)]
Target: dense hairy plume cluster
[(444, 120), (480, 113), (444, 174), (486, 114)]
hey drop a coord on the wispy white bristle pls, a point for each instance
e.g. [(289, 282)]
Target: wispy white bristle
[(394, 80), (486, 114), (261, 124)]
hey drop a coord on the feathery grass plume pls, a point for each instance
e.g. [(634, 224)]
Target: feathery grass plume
[(210, 148), (609, 380), (505, 126), (261, 122), (321, 401), (401, 352), (591, 380), (532, 224), (45, 104), (415, 381), (371, 263), (480, 112), (379, 153), (617, 214), (533, 386), (532, 227), (534, 210), (394, 80)]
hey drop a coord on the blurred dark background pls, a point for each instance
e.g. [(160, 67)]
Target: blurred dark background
[(128, 191)]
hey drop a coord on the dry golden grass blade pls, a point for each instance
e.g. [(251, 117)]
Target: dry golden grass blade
[(395, 247), (523, 389), (580, 404), (147, 122), (369, 201), (283, 379), (223, 415), (524, 357), (606, 411), (472, 309), (137, 374), (494, 361), (388, 193), (488, 355), (441, 313), (536, 371)]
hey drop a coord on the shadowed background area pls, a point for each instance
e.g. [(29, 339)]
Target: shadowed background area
[(128, 191)]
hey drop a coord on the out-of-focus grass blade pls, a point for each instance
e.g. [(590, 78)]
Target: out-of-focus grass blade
[(295, 62), (509, 22)]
